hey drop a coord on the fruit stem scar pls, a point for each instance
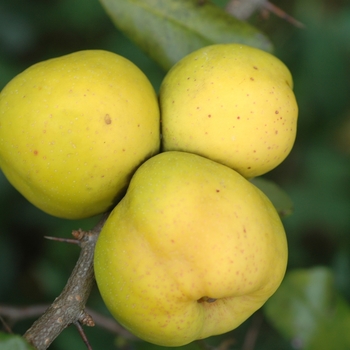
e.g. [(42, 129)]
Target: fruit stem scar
[(206, 300)]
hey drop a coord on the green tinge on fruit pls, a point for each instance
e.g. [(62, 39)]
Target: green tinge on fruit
[(233, 104), (74, 129), (192, 250)]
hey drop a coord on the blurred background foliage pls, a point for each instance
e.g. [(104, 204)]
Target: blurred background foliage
[(316, 175)]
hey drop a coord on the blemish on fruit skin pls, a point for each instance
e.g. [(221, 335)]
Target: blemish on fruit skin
[(107, 119), (35, 152)]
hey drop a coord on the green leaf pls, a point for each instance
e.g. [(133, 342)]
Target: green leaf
[(309, 312), (279, 198), (13, 342), (169, 30)]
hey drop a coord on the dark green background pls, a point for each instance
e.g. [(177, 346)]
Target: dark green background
[(316, 175)]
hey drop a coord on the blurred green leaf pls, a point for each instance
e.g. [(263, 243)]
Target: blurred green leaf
[(279, 198), (13, 342), (308, 311), (169, 30)]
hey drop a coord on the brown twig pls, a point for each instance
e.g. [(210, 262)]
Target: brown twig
[(253, 332), (244, 9), (282, 14), (15, 314), (65, 240), (111, 325), (5, 325), (69, 306), (83, 335)]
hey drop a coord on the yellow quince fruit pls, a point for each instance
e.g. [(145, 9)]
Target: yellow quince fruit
[(74, 129), (191, 251), (233, 104)]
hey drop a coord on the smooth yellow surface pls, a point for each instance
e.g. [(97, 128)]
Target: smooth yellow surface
[(73, 130), (188, 228), (230, 103)]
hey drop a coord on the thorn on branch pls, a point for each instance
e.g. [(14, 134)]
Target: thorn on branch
[(83, 335), (77, 234), (65, 240), (5, 325)]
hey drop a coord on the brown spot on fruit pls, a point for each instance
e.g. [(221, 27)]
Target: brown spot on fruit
[(35, 152), (108, 119)]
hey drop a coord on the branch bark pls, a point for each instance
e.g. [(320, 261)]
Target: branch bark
[(13, 314), (69, 306)]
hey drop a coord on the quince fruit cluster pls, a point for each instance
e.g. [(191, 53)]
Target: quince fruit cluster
[(191, 247)]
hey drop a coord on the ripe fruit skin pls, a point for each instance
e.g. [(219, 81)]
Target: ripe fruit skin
[(233, 104), (188, 231), (73, 130)]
